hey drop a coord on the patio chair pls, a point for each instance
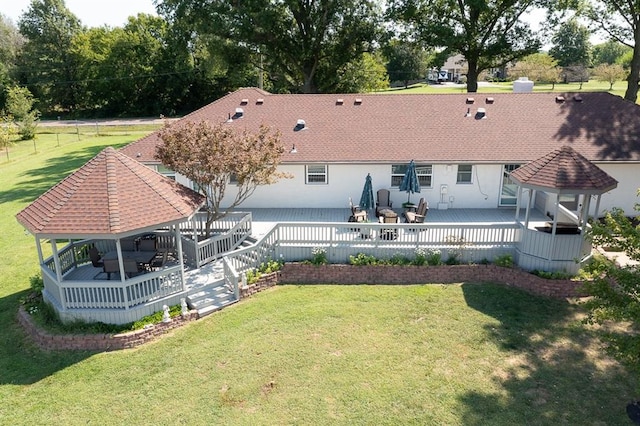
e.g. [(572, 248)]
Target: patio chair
[(110, 267), (147, 244), (357, 215), (419, 215), (128, 244), (159, 262), (96, 260), (383, 201), (131, 267)]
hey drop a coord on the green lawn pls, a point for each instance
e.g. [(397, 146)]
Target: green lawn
[(592, 86), (463, 354)]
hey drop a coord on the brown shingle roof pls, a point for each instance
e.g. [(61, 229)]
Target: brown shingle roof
[(431, 128), (110, 194), (564, 171)]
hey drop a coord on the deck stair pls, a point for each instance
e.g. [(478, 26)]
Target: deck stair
[(207, 291)]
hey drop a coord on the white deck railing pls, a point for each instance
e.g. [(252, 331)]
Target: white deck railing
[(114, 294)]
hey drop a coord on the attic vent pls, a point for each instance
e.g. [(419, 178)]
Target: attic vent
[(470, 100), (244, 101), (559, 99), (339, 101), (239, 113), (481, 113), (259, 101), (577, 98), (300, 125), (358, 101), (489, 100)]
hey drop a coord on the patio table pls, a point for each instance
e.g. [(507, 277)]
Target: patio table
[(141, 257)]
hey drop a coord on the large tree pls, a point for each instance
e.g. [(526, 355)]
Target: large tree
[(291, 39), (11, 42), (47, 66), (609, 53), (406, 61), (213, 156), (489, 34), (571, 45), (538, 67), (615, 288), (620, 20)]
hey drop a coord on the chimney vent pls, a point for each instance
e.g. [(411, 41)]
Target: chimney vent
[(239, 113), (481, 114), (300, 125)]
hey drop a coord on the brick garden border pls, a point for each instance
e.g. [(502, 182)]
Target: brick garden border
[(303, 273)]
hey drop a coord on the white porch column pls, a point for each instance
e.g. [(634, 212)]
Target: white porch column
[(178, 237), (56, 259)]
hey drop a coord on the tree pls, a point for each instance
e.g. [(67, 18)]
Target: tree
[(10, 46), (620, 20), (406, 61), (571, 46), (608, 53), (212, 156), (488, 34), (610, 73), (366, 74), (294, 38), (538, 67), (615, 288), (20, 107), (47, 66), (7, 131)]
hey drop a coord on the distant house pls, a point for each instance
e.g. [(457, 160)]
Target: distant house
[(465, 145)]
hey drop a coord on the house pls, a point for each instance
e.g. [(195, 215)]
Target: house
[(465, 145)]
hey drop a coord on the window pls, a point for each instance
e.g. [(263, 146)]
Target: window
[(317, 174), (423, 171), (166, 172), (464, 173), (509, 192)]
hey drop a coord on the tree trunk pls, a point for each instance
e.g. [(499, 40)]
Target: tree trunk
[(634, 75), (472, 77)]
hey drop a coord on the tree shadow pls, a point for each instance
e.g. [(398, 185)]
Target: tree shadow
[(599, 117), (36, 181), (555, 371), (21, 362)]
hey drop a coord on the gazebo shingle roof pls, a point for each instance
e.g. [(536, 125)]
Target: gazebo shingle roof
[(110, 194), (564, 171)]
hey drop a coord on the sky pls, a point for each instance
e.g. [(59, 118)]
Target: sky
[(92, 13)]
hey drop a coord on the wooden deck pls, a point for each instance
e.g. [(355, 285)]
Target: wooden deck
[(264, 219)]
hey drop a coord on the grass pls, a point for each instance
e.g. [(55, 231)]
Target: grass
[(425, 354), (592, 86)]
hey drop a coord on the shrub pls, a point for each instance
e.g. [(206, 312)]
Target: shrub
[(434, 257), (319, 256), (504, 261), (555, 275), (399, 259), (420, 258), (362, 259), (36, 283)]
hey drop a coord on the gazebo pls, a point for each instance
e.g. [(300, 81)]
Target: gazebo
[(559, 244), (110, 202)]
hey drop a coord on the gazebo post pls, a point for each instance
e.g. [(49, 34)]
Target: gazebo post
[(120, 262), (178, 238), (526, 218), (56, 259), (518, 204)]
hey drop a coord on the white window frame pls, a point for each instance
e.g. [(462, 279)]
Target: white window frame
[(468, 173), (165, 171), (423, 171), (311, 175)]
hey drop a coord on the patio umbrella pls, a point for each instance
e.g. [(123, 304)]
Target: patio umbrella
[(410, 181), (366, 200)]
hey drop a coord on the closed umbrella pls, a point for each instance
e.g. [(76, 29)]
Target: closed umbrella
[(410, 181), (366, 200)]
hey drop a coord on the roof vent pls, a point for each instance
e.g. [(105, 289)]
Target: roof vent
[(577, 98), (358, 101), (470, 100), (259, 101), (489, 100), (468, 114), (244, 101), (239, 113), (559, 99), (339, 101), (481, 114), (300, 125)]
